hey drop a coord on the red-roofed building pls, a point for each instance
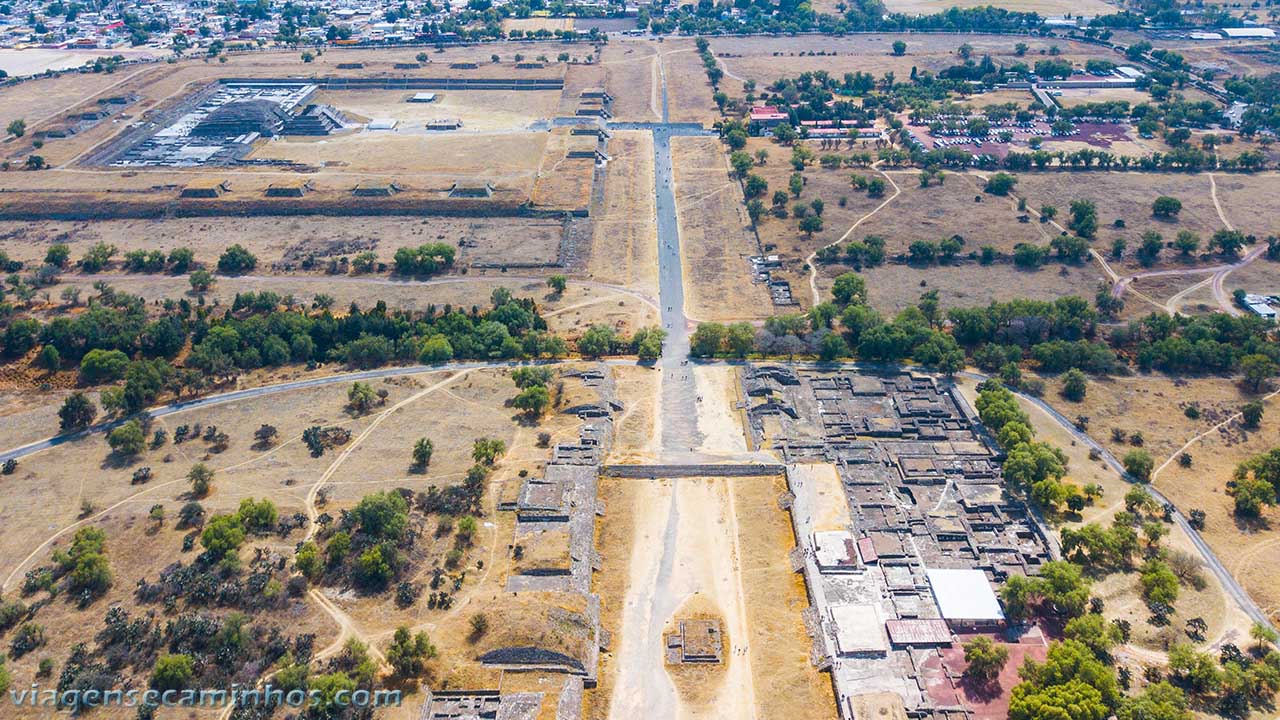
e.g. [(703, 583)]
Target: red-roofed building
[(768, 116)]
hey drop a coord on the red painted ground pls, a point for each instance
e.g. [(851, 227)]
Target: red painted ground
[(988, 702)]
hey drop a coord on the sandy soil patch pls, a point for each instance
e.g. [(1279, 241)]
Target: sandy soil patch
[(718, 418), (693, 522), (829, 496), (637, 431), (479, 110)]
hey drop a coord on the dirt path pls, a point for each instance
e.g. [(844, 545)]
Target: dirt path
[(314, 492), (813, 269)]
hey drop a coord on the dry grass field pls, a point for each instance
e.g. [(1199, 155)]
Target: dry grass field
[(1044, 7), (940, 211), (688, 90), (715, 236), (1155, 405), (632, 78), (623, 250), (277, 241), (44, 506), (1120, 591), (503, 158), (1128, 197), (1249, 201), (765, 59), (893, 287)]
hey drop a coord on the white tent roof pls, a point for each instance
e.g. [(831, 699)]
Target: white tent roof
[(964, 595)]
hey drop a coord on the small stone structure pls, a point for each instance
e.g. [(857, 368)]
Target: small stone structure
[(694, 641)]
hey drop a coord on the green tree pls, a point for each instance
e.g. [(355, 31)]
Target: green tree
[(534, 401), (596, 341), (371, 570), (222, 536), (201, 280), (486, 451), (1000, 184), (201, 477), (985, 658), (77, 412), (361, 398), (422, 450), (382, 515), (236, 260), (103, 366), (707, 339), (740, 339), (1166, 207), (172, 672), (127, 440), (17, 128), (849, 288), (1158, 701), (557, 283), (899, 48), (436, 349), (1095, 632), (1073, 385), (1251, 413), (1159, 584), (409, 653), (308, 560), (57, 255), (1257, 369), (1139, 464)]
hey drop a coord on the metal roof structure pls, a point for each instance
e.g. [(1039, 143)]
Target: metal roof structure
[(964, 595)]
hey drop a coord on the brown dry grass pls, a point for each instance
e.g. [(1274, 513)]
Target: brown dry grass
[(631, 77), (1128, 197), (894, 287), (775, 597), (624, 249), (435, 159), (1120, 591), (470, 404), (562, 182), (1044, 7), (273, 240), (1248, 201), (1154, 405), (715, 236), (637, 430), (765, 59), (479, 110), (613, 541), (688, 90)]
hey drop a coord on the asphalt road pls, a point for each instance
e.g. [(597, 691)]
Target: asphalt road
[(245, 394), (1233, 588)]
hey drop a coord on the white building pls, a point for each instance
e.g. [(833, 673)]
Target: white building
[(1250, 33)]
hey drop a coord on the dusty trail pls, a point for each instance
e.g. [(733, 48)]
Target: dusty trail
[(314, 492), (813, 269)]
